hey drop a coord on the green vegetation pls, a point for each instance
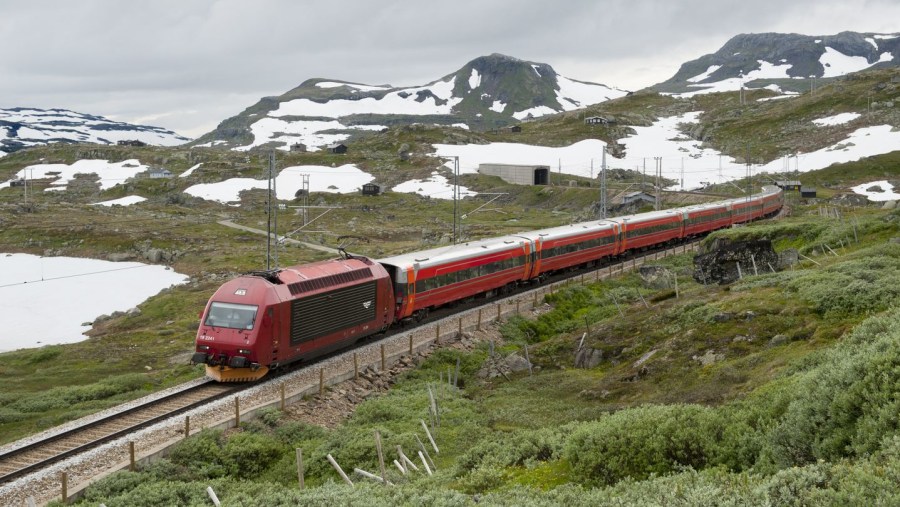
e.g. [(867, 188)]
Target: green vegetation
[(808, 418)]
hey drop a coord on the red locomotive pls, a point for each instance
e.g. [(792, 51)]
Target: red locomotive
[(264, 320)]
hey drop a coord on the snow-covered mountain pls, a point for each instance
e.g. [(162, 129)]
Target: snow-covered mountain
[(22, 127), (488, 92), (783, 62)]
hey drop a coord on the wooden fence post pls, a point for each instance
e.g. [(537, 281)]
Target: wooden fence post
[(340, 471), (355, 367), (527, 360), (131, 457), (383, 361), (499, 305), (517, 307), (213, 497), (282, 396), (300, 466), (428, 434), (380, 457), (187, 426), (437, 334), (321, 381), (410, 345), (460, 327), (478, 327), (237, 411), (64, 477)]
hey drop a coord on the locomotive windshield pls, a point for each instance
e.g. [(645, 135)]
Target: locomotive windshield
[(231, 315)]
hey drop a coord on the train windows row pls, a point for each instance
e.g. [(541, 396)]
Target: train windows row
[(469, 273), (708, 218), (633, 233), (575, 247)]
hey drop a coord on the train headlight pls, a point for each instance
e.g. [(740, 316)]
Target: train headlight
[(202, 347), (244, 351)]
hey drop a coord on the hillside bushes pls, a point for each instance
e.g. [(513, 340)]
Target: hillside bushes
[(642, 441)]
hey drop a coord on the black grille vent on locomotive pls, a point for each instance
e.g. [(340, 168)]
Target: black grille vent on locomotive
[(322, 314), (329, 281)]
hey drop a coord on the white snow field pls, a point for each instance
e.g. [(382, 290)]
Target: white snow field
[(45, 300)]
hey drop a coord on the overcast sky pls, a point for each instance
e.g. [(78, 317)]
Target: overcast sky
[(186, 65)]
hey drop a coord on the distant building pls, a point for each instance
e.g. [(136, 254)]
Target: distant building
[(371, 189), (638, 197), (515, 128), (808, 192), (298, 148), (131, 142), (337, 148), (17, 183), (599, 120), (518, 174), (159, 173)]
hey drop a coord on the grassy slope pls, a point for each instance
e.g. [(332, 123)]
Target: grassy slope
[(514, 441)]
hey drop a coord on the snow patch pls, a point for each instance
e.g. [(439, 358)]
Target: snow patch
[(436, 187), (498, 106), (887, 194), (474, 79), (396, 102), (190, 171), (704, 75), (110, 173), (337, 180), (837, 119), (837, 63), (534, 112), (122, 201)]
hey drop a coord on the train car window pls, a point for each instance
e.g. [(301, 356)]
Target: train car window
[(231, 315)]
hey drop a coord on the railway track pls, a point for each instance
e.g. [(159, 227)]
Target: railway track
[(40, 454)]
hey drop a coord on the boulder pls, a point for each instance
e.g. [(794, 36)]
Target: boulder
[(655, 277), (588, 357), (725, 261)]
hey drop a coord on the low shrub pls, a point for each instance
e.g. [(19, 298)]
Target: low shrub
[(642, 441)]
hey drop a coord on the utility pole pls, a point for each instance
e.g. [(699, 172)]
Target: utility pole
[(658, 161), (682, 174), (559, 170), (269, 215), (603, 186), (749, 188), (272, 214), (455, 199), (304, 201), (720, 169), (644, 175)]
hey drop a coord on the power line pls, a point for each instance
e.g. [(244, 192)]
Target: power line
[(19, 284)]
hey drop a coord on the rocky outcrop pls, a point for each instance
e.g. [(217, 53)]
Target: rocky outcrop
[(726, 261)]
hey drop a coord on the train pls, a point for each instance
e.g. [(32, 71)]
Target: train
[(261, 321)]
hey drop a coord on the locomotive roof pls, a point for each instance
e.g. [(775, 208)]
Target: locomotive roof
[(453, 252)]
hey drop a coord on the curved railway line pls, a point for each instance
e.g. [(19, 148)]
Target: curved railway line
[(33, 457), (37, 455)]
